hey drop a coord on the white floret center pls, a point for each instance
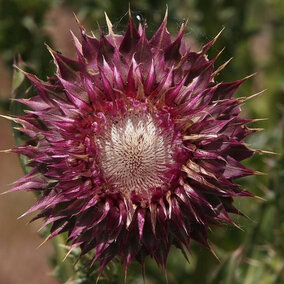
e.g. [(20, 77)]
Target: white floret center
[(135, 153)]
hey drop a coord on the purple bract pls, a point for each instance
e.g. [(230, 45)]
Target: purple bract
[(134, 146)]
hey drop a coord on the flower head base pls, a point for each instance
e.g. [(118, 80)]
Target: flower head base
[(134, 146)]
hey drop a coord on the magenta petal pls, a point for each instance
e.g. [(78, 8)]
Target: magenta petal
[(134, 146)]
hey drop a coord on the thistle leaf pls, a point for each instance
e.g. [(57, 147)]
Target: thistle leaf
[(20, 89)]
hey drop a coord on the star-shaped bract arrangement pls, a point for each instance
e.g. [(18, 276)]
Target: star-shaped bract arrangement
[(133, 146)]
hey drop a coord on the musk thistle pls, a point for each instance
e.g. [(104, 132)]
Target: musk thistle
[(134, 147)]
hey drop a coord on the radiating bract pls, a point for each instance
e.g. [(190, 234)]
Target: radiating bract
[(134, 146)]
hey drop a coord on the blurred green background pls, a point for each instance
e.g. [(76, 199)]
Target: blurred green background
[(254, 37)]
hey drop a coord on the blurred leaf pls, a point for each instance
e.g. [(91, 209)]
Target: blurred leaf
[(20, 89), (18, 78)]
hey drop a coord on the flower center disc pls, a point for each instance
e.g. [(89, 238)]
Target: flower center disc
[(135, 152)]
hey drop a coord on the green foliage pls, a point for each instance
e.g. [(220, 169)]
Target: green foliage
[(21, 31), (20, 89)]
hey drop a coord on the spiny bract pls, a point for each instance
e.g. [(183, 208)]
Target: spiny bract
[(134, 146)]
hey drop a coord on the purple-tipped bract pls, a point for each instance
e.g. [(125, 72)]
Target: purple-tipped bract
[(134, 146)]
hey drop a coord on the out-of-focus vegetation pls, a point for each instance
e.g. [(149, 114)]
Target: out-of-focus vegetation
[(254, 37)]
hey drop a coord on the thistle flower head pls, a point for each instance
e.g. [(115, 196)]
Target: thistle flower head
[(134, 146)]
